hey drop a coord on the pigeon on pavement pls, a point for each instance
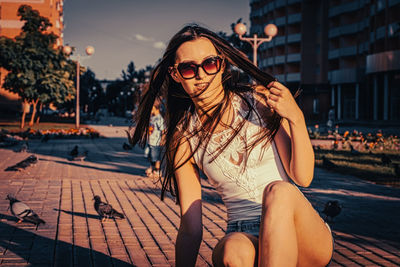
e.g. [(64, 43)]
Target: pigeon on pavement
[(332, 209), (386, 160), (74, 151), (125, 146), (24, 147), (45, 138), (105, 210), (23, 212), (22, 165), (80, 157), (328, 164)]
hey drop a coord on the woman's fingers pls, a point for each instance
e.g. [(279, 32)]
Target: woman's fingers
[(273, 97), (275, 91), (276, 85)]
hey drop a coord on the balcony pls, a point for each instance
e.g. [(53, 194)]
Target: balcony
[(294, 38), (351, 75), (342, 52), (344, 8), (280, 77), (348, 29), (393, 2), (281, 21), (280, 40), (293, 77), (279, 60), (385, 61), (294, 18), (293, 58)]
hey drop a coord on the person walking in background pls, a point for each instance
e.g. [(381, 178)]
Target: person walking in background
[(154, 148), (251, 142)]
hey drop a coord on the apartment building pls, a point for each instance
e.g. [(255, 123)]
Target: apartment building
[(343, 54), (10, 26)]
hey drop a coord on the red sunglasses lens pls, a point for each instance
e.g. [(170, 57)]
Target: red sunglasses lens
[(211, 65), (187, 70)]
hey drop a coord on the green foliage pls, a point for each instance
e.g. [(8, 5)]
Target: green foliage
[(91, 92), (38, 71)]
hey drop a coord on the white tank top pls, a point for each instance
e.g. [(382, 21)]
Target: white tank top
[(240, 188)]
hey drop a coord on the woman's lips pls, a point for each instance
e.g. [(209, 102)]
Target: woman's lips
[(201, 86)]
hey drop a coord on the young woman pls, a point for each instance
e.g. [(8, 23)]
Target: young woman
[(250, 141)]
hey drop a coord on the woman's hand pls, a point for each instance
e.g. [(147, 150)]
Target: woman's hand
[(281, 100)]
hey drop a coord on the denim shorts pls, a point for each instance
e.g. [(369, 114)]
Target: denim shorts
[(154, 153), (245, 226)]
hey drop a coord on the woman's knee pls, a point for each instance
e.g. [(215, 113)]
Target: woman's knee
[(279, 192), (234, 250)]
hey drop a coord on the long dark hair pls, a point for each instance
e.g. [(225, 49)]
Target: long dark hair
[(180, 107)]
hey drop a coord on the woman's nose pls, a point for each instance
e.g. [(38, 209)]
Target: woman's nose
[(200, 74)]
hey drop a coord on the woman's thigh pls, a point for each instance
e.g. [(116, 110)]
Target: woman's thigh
[(236, 249), (314, 239)]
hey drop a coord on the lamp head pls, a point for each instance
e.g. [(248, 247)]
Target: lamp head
[(89, 50), (271, 30), (240, 29), (67, 50)]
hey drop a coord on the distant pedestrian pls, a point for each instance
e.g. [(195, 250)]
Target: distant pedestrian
[(154, 147), (331, 118)]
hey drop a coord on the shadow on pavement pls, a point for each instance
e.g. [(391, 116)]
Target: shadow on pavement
[(368, 210), (104, 154), (42, 251), (81, 214)]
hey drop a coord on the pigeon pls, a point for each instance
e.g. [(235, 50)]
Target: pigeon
[(386, 160), (125, 146), (326, 163), (24, 147), (23, 212), (332, 209), (353, 151), (22, 165), (105, 210), (45, 138), (74, 151), (396, 170), (80, 157)]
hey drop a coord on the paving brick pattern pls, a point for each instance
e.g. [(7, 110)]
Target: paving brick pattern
[(61, 191)]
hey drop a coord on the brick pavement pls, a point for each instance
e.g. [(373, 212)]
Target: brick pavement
[(367, 232)]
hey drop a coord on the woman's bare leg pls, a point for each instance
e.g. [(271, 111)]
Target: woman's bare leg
[(236, 249), (292, 233)]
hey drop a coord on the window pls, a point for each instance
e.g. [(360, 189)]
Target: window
[(316, 106)]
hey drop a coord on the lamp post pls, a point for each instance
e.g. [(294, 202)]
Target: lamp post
[(270, 30), (89, 51)]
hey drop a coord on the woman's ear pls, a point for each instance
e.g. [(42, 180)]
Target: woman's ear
[(174, 74)]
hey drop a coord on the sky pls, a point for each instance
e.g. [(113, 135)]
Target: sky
[(122, 31)]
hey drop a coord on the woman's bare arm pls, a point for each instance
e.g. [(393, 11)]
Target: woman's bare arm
[(191, 228), (292, 139)]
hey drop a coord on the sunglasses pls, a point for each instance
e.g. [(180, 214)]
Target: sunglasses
[(189, 70)]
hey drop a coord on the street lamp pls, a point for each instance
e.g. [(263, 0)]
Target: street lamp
[(89, 51), (270, 30)]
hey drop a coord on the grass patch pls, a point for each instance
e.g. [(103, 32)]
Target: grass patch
[(365, 165), (15, 126)]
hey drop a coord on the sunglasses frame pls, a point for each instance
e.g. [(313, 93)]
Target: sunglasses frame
[(176, 66)]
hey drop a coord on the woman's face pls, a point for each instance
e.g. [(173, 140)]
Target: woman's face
[(202, 85)]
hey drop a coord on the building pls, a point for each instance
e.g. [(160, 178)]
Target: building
[(10, 26), (343, 54)]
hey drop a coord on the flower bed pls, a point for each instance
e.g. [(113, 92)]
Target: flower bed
[(54, 133), (354, 140)]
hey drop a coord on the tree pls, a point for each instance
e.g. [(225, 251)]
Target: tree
[(39, 72), (91, 92)]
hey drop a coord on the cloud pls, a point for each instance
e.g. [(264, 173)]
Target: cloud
[(142, 38), (159, 45)]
